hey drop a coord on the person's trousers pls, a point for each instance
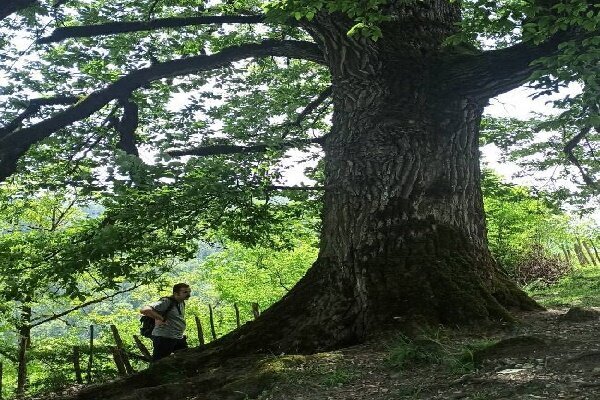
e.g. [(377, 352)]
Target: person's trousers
[(164, 346)]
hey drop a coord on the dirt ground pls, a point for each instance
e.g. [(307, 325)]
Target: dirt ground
[(554, 354), (548, 355)]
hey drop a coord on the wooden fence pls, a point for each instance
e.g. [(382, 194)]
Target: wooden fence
[(121, 356)]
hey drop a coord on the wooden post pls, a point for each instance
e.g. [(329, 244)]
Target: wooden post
[(76, 365), (116, 353), (200, 330), (595, 250), (91, 359), (212, 322), (121, 348), (588, 249), (22, 372), (255, 310), (567, 253), (140, 345), (237, 314), (583, 261)]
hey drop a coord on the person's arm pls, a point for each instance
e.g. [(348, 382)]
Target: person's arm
[(152, 313)]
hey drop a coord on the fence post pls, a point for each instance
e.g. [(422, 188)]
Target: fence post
[(140, 345), (588, 249), (237, 314), (595, 250), (76, 365), (255, 310), (583, 261), (212, 322), (200, 330), (91, 359), (120, 347), (116, 353)]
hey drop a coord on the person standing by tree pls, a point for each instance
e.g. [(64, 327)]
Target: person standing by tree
[(169, 316)]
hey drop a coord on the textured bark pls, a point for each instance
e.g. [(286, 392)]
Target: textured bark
[(403, 240)]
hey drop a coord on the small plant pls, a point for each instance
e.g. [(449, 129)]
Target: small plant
[(338, 376), (407, 351), (466, 360)]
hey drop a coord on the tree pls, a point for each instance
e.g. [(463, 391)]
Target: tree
[(403, 227)]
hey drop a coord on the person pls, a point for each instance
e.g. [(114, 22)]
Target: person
[(169, 326)]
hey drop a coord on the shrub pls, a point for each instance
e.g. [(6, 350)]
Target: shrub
[(537, 265)]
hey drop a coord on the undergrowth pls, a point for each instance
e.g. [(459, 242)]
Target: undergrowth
[(433, 349), (581, 287)]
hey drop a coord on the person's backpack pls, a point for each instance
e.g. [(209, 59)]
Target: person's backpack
[(147, 323)]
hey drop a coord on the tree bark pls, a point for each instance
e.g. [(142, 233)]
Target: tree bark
[(403, 238)]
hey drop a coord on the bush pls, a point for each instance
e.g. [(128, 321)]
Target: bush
[(537, 265)]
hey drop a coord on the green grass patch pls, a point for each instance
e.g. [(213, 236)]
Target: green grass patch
[(336, 377), (404, 352), (457, 359), (466, 360), (579, 288)]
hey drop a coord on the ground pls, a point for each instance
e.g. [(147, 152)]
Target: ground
[(546, 356), (552, 354)]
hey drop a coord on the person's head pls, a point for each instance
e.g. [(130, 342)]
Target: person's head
[(181, 291)]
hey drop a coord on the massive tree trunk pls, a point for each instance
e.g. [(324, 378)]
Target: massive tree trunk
[(404, 236)]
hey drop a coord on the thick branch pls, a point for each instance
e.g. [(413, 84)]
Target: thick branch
[(80, 306), (127, 127), (221, 149), (569, 147), (491, 73), (33, 107), (8, 7), (113, 28), (15, 144)]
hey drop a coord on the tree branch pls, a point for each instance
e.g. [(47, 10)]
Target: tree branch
[(568, 149), (38, 322), (7, 7), (16, 143), (33, 107), (221, 149), (324, 95), (113, 28), (127, 127), (491, 73)]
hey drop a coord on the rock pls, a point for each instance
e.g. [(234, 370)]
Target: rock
[(510, 371)]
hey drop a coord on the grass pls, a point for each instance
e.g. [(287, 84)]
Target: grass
[(579, 288), (404, 352), (433, 350), (337, 377)]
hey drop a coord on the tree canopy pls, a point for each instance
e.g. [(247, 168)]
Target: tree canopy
[(176, 78)]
